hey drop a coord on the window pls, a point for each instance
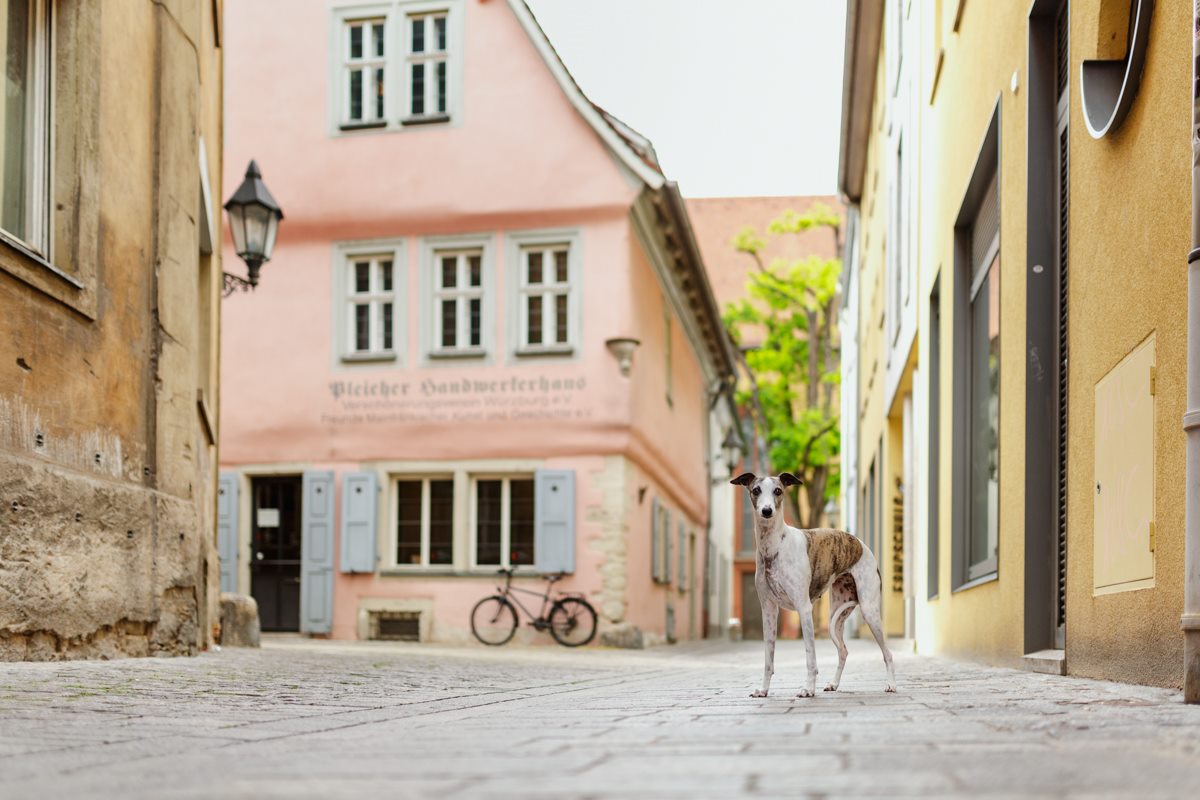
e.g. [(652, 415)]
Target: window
[(364, 72), (424, 522), (545, 291), (545, 294), (458, 301), (395, 63), (427, 65), (25, 127), (984, 413), (371, 304), (503, 511)]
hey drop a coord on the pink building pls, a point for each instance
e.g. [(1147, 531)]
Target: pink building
[(420, 391)]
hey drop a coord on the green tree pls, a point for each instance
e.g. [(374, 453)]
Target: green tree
[(792, 370)]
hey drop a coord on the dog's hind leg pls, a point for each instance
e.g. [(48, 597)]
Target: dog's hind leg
[(770, 618), (843, 598), (869, 584)]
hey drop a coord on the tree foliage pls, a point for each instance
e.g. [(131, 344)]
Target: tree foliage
[(792, 364)]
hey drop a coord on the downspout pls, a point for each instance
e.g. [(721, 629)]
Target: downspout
[(1191, 419)]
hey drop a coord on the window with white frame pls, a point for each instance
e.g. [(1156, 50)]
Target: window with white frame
[(427, 65), (370, 305), (503, 521), (458, 295), (424, 522), (395, 63), (545, 297), (364, 71), (25, 122)]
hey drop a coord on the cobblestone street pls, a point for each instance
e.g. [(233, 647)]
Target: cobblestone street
[(330, 719)]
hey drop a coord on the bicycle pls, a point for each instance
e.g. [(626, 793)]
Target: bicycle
[(571, 621)]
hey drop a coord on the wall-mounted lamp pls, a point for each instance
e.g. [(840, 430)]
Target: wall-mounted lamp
[(622, 348), (253, 221)]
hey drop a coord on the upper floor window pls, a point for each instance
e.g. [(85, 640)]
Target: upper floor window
[(364, 72), (398, 63), (25, 122), (546, 293), (458, 314), (428, 65), (371, 279)]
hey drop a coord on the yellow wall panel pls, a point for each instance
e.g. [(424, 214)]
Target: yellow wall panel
[(1124, 453)]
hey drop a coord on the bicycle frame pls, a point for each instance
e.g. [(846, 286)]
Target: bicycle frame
[(507, 592)]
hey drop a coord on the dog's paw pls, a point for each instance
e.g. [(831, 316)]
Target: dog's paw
[(759, 693), (831, 687), (806, 693), (890, 688)]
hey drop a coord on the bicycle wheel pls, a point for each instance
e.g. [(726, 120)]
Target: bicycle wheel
[(572, 622), (493, 620)]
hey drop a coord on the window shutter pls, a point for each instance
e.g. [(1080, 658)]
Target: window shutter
[(655, 533), (360, 494), (316, 554), (227, 530), (681, 567), (668, 547), (554, 520)]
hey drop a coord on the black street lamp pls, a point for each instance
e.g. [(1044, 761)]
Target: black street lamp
[(253, 221)]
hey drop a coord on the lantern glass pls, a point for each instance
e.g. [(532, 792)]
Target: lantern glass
[(237, 229), (272, 229), (257, 221)]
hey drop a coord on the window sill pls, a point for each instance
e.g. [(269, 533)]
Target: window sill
[(450, 572), (425, 119), (360, 358), (362, 126), (971, 584), (27, 265), (549, 350), (474, 352)]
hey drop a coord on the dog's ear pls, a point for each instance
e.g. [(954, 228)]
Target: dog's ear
[(745, 479), (788, 479)]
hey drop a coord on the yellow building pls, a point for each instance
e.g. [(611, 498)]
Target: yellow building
[(1017, 289), (110, 273)]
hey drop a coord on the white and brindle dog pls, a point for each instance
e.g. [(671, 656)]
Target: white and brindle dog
[(794, 567)]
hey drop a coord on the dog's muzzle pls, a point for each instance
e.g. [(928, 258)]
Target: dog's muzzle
[(767, 512)]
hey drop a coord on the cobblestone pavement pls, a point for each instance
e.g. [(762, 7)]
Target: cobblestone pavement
[(327, 719)]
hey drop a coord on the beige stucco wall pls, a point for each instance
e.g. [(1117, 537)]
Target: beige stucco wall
[(106, 465), (1129, 280)]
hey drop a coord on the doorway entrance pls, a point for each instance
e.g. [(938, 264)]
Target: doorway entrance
[(275, 551)]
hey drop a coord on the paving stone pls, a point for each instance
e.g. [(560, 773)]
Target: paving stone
[(303, 719)]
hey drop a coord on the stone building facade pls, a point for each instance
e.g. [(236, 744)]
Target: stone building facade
[(110, 276)]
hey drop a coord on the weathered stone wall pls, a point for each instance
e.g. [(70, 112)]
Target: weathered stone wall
[(108, 359)]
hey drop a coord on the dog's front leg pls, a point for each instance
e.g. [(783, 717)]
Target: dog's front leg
[(810, 647), (770, 618)]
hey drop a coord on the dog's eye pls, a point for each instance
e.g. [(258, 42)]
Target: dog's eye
[(756, 492), (778, 491)]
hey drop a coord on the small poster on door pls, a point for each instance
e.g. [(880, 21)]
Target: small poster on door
[(267, 518)]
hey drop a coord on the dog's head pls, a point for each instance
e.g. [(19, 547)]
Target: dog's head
[(767, 493)]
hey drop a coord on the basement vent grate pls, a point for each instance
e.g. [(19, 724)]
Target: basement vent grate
[(396, 626)]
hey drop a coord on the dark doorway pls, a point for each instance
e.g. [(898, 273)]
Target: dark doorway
[(275, 551), (751, 609)]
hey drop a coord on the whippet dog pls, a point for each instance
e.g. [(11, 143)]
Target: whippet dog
[(794, 567)]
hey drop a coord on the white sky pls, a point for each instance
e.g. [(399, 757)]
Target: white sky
[(740, 97)]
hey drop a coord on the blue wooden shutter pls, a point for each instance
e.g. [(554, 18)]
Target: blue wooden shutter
[(227, 529), (554, 520), (316, 554), (360, 493)]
